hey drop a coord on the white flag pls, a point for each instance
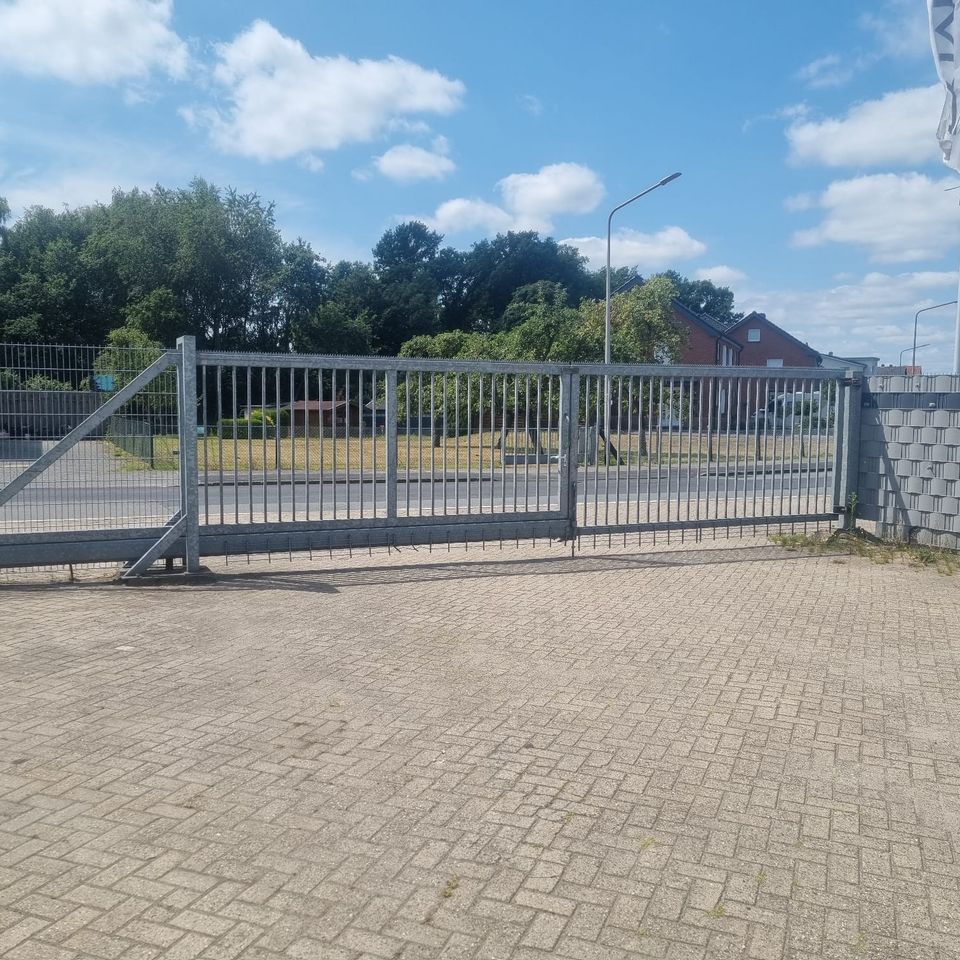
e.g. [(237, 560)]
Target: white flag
[(944, 25)]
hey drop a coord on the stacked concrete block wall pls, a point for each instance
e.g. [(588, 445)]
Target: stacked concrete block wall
[(909, 482)]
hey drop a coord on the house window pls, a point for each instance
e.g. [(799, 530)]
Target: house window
[(753, 336), (774, 363)]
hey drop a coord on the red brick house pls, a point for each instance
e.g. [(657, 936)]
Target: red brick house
[(753, 341)]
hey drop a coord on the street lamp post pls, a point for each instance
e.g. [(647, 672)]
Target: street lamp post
[(607, 347), (915, 348), (916, 320)]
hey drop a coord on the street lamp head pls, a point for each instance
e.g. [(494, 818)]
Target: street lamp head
[(670, 179)]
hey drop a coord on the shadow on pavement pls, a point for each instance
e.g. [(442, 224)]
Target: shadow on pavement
[(426, 570)]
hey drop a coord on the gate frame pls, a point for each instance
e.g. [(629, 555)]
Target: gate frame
[(185, 537)]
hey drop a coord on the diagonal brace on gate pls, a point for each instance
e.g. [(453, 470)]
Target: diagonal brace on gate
[(86, 427)]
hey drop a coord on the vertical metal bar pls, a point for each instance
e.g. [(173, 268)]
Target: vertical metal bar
[(606, 457), (348, 485), (333, 438), (526, 444), (660, 446), (236, 437), (306, 440), (650, 457), (718, 416), (361, 406), (539, 435), (493, 443), (320, 456), (470, 441), (629, 444), (817, 505), (249, 445), (263, 437), (569, 428), (699, 441), (516, 427), (549, 442), (409, 427), (503, 446), (480, 444), (277, 439), (736, 460), (433, 446), (850, 450), (680, 471), (293, 445), (756, 446), (390, 427), (373, 440), (420, 442), (206, 443), (809, 459), (443, 438), (456, 442), (783, 443), (189, 490), (220, 436)]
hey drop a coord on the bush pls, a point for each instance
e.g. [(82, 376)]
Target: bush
[(243, 428)]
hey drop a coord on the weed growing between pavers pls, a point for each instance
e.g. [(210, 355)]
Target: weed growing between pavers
[(862, 544)]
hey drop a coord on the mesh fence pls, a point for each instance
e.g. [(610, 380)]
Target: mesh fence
[(112, 478)]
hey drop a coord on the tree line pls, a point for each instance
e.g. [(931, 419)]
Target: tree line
[(150, 266)]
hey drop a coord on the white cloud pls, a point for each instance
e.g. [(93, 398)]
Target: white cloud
[(648, 251), (870, 315), (90, 41), (829, 71), (721, 275), (462, 215), (535, 198), (896, 129), (406, 163), (895, 218), (285, 102), (530, 201), (533, 105), (900, 30), (800, 202)]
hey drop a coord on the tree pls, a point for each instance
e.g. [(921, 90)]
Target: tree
[(332, 329), (404, 261), (498, 267), (704, 296)]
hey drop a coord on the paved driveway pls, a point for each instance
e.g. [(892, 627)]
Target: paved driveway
[(722, 751)]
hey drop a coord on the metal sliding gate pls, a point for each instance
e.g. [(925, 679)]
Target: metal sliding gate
[(187, 454)]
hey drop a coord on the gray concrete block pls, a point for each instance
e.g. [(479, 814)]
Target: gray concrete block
[(939, 488), (927, 503), (940, 453), (929, 435), (950, 470), (917, 418), (904, 468), (918, 452), (951, 437), (915, 485), (893, 418), (942, 419)]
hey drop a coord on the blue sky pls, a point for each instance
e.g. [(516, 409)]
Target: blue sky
[(811, 179)]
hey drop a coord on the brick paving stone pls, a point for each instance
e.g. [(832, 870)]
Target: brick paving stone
[(693, 753)]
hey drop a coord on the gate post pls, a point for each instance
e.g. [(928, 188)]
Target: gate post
[(391, 431), (569, 447), (187, 428), (847, 467)]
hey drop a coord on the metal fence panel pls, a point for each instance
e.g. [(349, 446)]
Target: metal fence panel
[(244, 452)]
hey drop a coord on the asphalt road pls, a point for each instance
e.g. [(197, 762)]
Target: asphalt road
[(139, 503)]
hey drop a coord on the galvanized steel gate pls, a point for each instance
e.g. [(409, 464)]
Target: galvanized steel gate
[(269, 453)]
